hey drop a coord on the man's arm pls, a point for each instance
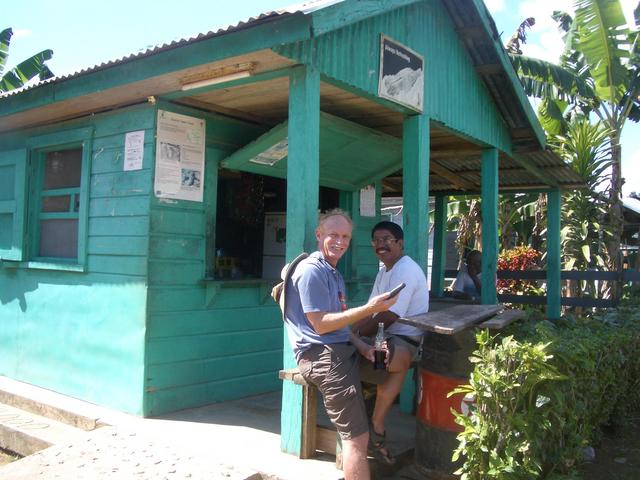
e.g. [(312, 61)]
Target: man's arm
[(323, 322), (369, 326)]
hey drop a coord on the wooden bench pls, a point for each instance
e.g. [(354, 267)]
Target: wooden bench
[(314, 437)]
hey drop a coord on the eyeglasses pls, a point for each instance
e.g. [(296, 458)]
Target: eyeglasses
[(383, 240)]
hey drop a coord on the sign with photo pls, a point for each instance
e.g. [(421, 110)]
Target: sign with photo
[(401, 74), (179, 157)]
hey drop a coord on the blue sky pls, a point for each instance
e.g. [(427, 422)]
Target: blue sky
[(85, 34)]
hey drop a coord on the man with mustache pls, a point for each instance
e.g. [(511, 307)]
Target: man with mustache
[(326, 350), (387, 239)]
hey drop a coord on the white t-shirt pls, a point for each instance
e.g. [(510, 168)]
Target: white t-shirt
[(464, 283), (412, 299)]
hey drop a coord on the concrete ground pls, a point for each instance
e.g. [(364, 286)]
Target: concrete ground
[(231, 440)]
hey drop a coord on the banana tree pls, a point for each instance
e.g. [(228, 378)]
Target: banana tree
[(26, 70), (598, 74)]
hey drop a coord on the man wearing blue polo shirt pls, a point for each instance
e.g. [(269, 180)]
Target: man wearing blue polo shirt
[(326, 351)]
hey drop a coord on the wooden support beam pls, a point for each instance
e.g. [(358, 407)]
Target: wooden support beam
[(554, 294), (439, 246), (303, 169), (415, 187), (534, 170), (454, 178), (489, 226)]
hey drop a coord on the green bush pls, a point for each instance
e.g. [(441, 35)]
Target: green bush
[(543, 392)]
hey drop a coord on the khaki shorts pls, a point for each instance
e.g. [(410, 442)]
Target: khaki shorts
[(334, 369), (377, 377)]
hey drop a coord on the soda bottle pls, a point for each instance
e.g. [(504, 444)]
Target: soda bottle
[(379, 353)]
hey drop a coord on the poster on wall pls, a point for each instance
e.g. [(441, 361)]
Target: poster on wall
[(401, 74), (133, 150), (179, 157)]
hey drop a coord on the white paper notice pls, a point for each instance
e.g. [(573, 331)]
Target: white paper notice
[(179, 157), (368, 201), (133, 150)]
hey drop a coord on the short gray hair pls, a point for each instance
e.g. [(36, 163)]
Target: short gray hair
[(335, 212)]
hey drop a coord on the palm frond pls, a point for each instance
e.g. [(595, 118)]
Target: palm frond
[(602, 38), (545, 77), (519, 36), (5, 40), (25, 71)]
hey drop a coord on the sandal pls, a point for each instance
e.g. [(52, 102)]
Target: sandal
[(378, 448)]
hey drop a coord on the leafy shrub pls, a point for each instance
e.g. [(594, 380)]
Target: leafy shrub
[(544, 391)]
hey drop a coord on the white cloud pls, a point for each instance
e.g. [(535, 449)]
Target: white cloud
[(494, 5), (21, 33)]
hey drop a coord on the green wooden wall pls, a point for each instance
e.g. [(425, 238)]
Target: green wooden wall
[(82, 333), (207, 341), (455, 95)]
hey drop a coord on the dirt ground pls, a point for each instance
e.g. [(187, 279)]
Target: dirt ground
[(618, 455), (7, 457)]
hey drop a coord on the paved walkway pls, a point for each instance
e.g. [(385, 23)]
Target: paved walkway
[(230, 440)]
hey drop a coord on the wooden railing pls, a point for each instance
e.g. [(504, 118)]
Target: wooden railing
[(625, 276)]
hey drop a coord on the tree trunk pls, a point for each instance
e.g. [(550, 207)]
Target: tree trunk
[(540, 222), (616, 219)]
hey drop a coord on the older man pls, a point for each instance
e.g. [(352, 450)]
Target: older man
[(326, 351)]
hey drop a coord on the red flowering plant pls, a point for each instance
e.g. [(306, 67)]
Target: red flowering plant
[(518, 259)]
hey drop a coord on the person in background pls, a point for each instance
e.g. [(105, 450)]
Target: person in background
[(318, 321), (403, 341), (467, 283)]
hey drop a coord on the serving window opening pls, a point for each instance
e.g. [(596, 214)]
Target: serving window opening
[(250, 232)]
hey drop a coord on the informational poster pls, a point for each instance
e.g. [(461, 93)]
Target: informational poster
[(179, 157), (401, 74), (133, 150), (368, 201)]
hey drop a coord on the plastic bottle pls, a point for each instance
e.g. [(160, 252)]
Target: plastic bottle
[(379, 353)]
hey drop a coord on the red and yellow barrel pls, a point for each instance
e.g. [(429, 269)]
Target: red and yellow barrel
[(444, 366)]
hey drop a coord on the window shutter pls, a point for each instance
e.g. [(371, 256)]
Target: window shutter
[(12, 203)]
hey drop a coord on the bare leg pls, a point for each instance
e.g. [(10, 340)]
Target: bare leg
[(389, 390), (354, 458)]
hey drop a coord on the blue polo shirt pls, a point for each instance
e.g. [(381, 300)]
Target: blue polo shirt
[(315, 286)]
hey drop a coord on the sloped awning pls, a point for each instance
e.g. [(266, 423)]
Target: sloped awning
[(351, 155)]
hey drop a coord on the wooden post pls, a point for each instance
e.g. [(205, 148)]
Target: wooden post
[(302, 216), (439, 256), (554, 292), (489, 226), (415, 187), (415, 216)]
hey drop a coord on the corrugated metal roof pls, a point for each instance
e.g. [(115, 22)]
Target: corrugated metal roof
[(305, 8)]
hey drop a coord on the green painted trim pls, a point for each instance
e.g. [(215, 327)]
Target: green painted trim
[(53, 264), (259, 77), (17, 206), (346, 13), (489, 207), (439, 256), (39, 146), (510, 72), (303, 174), (554, 295), (210, 197), (283, 30), (415, 187), (237, 160), (58, 215)]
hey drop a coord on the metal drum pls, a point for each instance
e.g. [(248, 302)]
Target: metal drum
[(444, 366)]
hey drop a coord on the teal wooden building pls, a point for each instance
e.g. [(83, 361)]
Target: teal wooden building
[(142, 200)]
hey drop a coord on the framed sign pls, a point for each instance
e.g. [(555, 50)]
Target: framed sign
[(401, 74)]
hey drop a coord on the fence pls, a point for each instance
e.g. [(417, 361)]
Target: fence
[(626, 276)]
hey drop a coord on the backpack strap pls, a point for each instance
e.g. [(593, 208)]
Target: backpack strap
[(279, 291)]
